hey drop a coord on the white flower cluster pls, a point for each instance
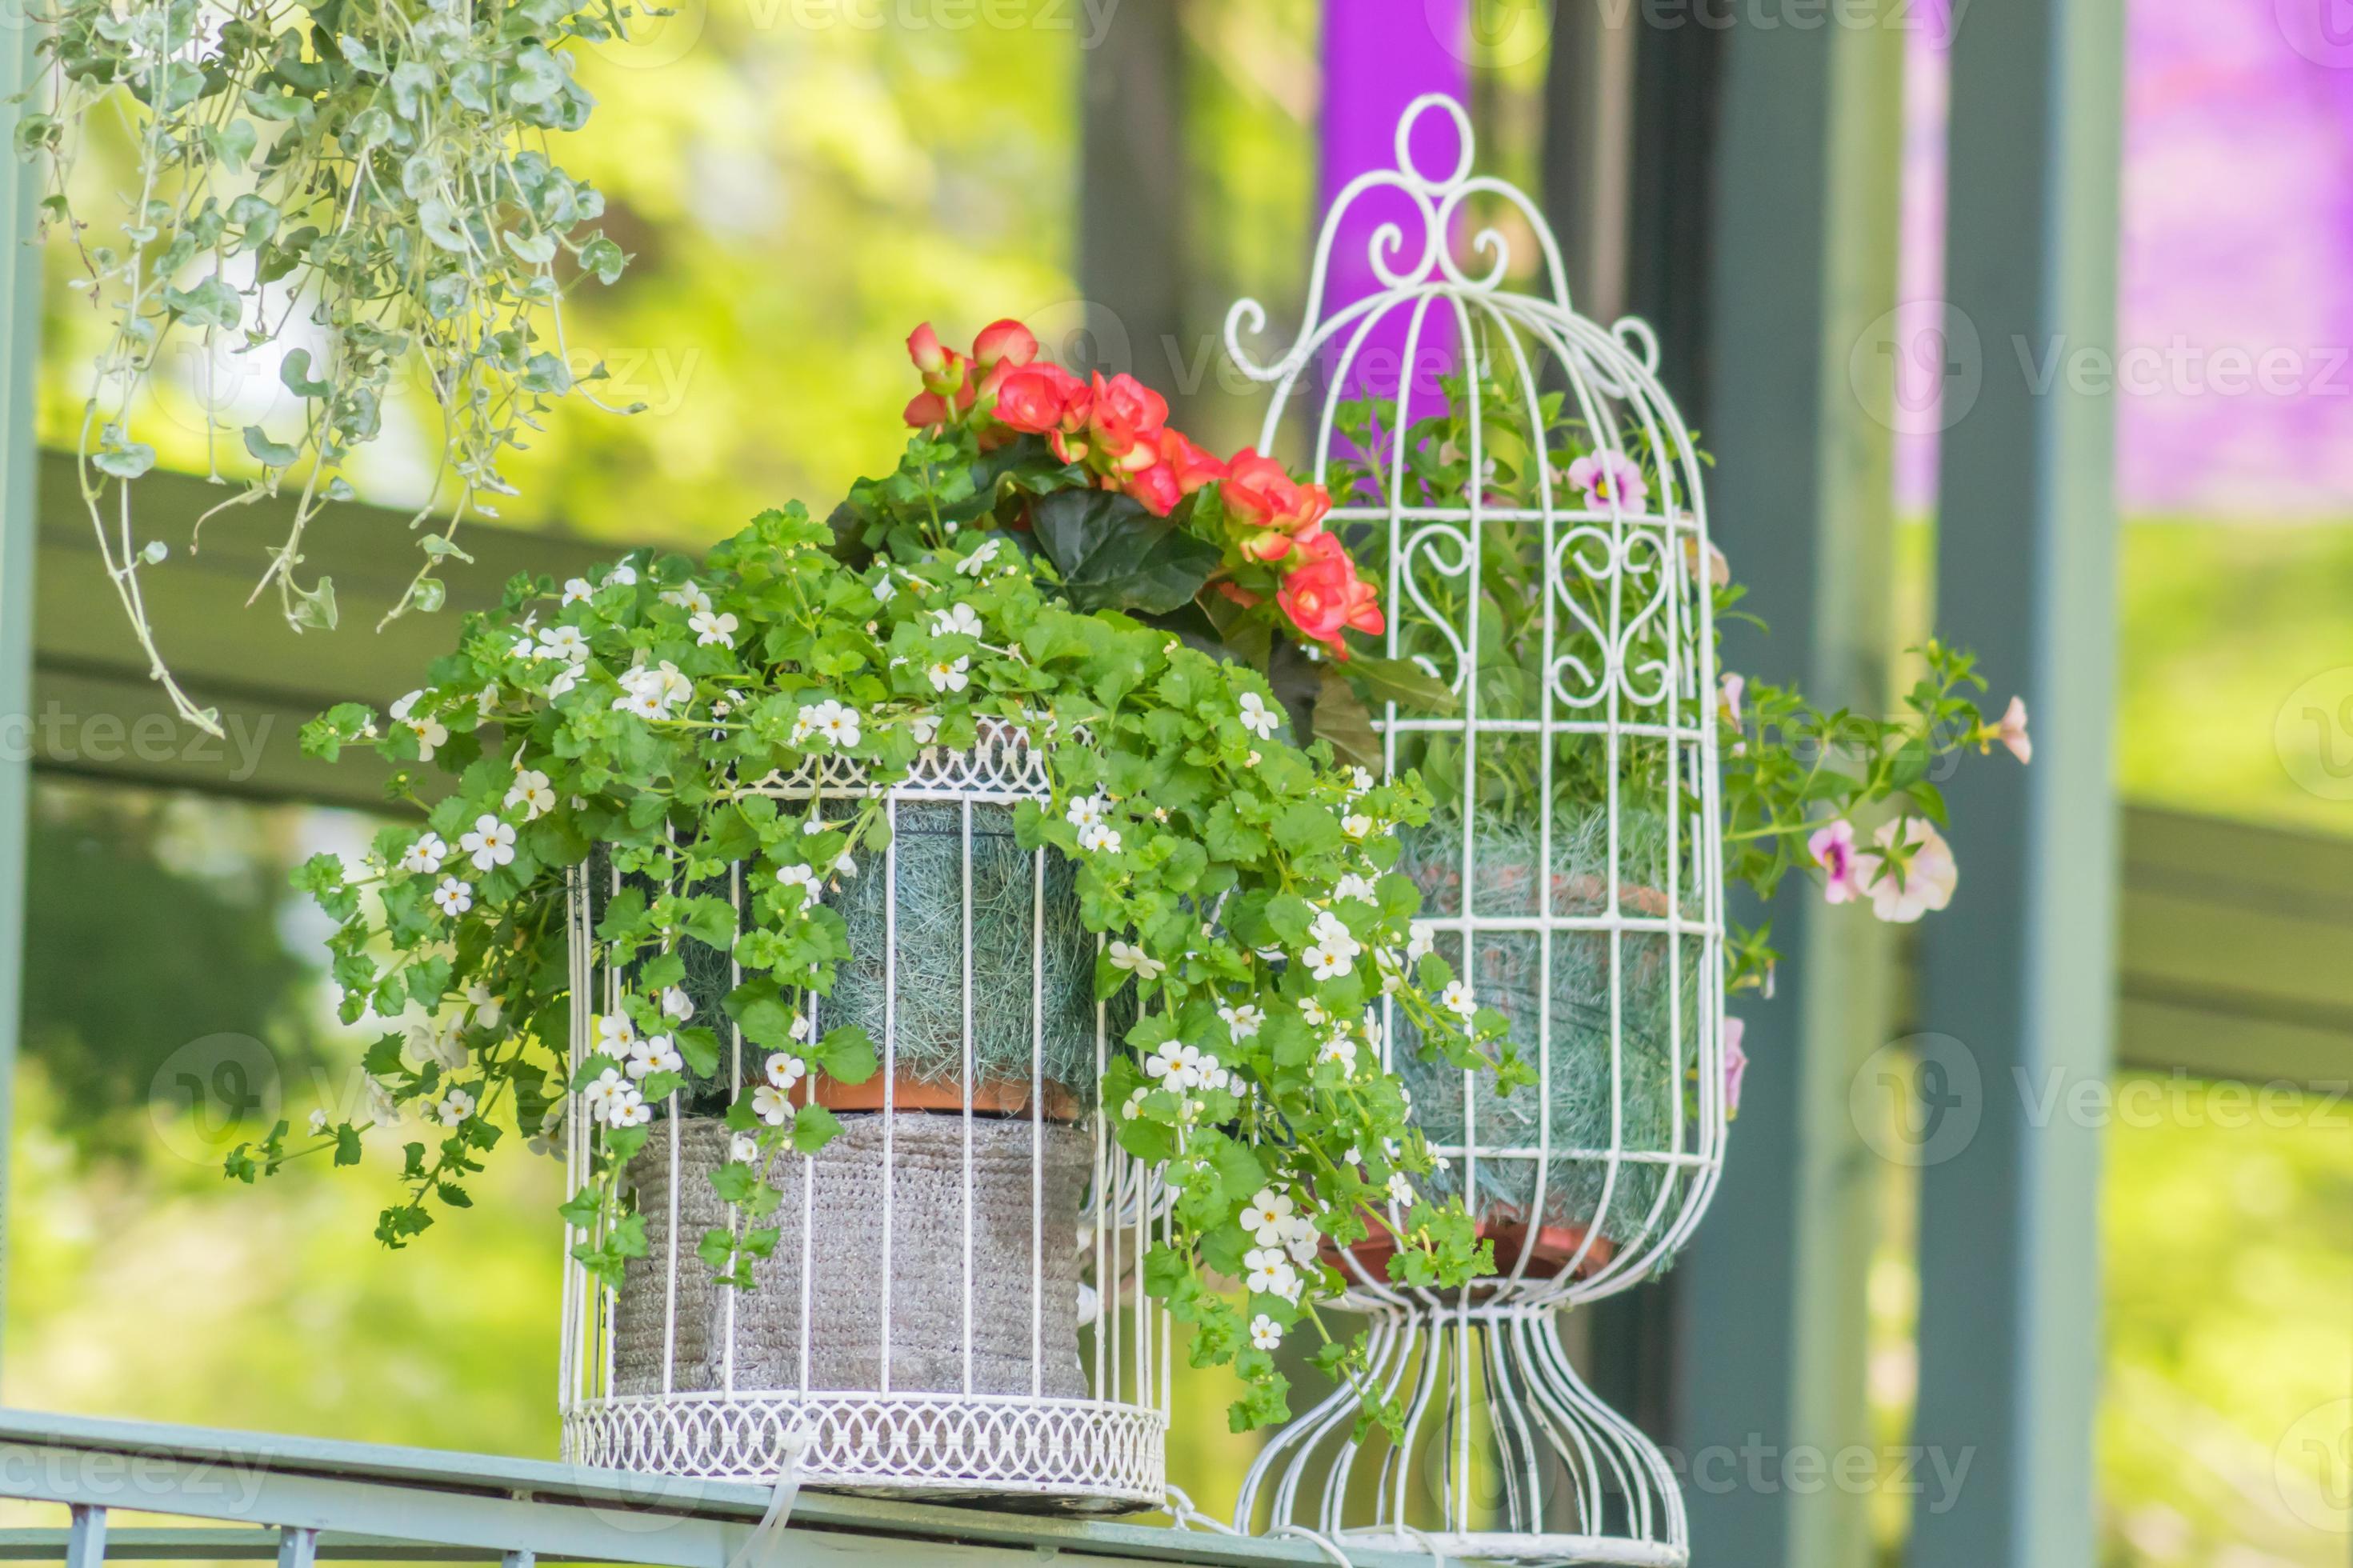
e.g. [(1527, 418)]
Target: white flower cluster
[(1090, 816), (653, 692), (566, 646), (430, 732), (1185, 1067), (1331, 950), (614, 1101), (1273, 1220), (829, 721)]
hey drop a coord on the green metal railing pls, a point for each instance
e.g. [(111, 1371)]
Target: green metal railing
[(302, 1500), (306, 1500)]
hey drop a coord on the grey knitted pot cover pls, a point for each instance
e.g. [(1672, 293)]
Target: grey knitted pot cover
[(1021, 1340)]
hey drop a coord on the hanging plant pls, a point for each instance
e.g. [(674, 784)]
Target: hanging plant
[(334, 192)]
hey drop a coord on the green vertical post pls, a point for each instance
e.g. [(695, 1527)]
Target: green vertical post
[(20, 319), (2020, 970), (1802, 261)]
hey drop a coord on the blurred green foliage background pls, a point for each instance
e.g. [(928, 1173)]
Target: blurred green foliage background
[(795, 198)]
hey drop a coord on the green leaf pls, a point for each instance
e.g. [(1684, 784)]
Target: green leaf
[(813, 1128), (846, 1054), (1113, 554), (700, 1049), (294, 373), (232, 143), (1403, 682), (211, 303), (268, 453)]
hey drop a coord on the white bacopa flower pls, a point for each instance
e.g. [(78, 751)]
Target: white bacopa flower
[(1353, 886), (744, 1149), (615, 1034), (1329, 930), (1298, 1238), (1265, 1215), (924, 727), (1099, 839), (318, 1123), (885, 590), (805, 879), (1168, 1061), (1356, 824), (530, 794), (1422, 940), (677, 1003), (1271, 1273), (652, 1055), (563, 680), (569, 644), (974, 565), (769, 1104), (1328, 962), (491, 842), (840, 725), (785, 1069), (623, 576), (1135, 1106), (549, 1139), (453, 897), (1127, 956), (483, 1010), (1265, 1333), (1342, 1049), (1400, 1190), (1212, 1073), (426, 855), (630, 1110), (801, 1028), (709, 628), (430, 732), (1086, 813), (576, 591), (1312, 1011), (653, 692), (1457, 998), (958, 620), (456, 1106), (1258, 718), (602, 1093), (948, 675), (1359, 781), (1243, 1021), (689, 597)]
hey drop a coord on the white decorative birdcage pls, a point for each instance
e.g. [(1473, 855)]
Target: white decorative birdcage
[(951, 1308), (1530, 499)]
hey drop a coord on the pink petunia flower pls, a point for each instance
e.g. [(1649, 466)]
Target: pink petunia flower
[(1927, 878), (1609, 478), (1832, 847), (2011, 731), (1735, 1063)]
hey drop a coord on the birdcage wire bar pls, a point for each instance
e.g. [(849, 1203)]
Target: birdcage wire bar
[(1625, 682), (1094, 1445)]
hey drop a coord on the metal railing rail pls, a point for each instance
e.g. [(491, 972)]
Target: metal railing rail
[(303, 1501)]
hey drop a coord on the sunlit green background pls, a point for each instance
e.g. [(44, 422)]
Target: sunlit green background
[(796, 199)]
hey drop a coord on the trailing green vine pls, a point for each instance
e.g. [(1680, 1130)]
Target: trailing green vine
[(333, 192)]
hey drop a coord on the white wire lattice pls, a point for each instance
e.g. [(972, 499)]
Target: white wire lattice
[(1532, 501), (951, 1308)]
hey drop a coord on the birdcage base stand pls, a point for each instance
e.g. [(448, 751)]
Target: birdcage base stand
[(1079, 1455), (1561, 1456)]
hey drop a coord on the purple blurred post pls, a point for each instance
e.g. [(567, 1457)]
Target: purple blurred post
[(1378, 56)]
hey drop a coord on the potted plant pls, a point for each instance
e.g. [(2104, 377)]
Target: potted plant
[(1580, 827), (716, 758)]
